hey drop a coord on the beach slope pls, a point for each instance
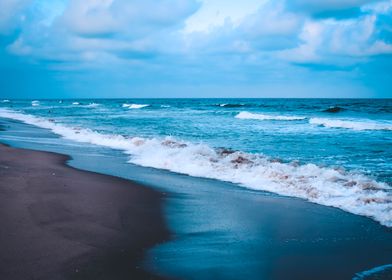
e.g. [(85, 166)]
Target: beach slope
[(58, 222)]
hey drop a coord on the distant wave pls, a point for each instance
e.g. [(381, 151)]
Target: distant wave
[(135, 106), (230, 105), (75, 103), (334, 109), (35, 103), (351, 124), (92, 105), (352, 192), (263, 117), (5, 101)]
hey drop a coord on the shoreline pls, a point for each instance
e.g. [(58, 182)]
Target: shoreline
[(223, 230), (59, 222)]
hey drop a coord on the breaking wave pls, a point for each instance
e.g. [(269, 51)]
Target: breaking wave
[(135, 106), (375, 273), (350, 191), (351, 124), (252, 116), (231, 105), (92, 105)]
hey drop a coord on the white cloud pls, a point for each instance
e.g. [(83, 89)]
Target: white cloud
[(96, 18), (120, 30), (338, 42), (214, 13), (10, 13)]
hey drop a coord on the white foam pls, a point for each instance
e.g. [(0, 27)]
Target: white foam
[(5, 101), (351, 124), (134, 106), (35, 103), (352, 192), (92, 105), (252, 116), (75, 103)]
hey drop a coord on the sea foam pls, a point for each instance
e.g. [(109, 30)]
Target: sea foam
[(92, 105), (350, 191), (351, 124), (252, 116), (134, 106)]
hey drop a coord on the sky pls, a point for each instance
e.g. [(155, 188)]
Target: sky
[(195, 48)]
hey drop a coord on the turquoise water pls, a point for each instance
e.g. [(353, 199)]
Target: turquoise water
[(331, 152)]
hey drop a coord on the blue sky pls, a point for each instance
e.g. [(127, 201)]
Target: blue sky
[(190, 48)]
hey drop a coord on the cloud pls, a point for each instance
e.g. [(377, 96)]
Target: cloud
[(279, 41), (109, 29), (105, 18), (342, 42), (11, 14), (329, 8), (269, 28)]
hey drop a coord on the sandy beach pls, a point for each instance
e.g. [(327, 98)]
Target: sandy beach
[(61, 223)]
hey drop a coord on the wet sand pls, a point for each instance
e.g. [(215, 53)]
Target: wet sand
[(58, 222)]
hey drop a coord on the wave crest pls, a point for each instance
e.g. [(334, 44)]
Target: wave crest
[(351, 124), (252, 116), (231, 105), (334, 109), (134, 106)]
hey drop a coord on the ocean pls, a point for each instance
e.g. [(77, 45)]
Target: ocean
[(333, 152), (263, 175)]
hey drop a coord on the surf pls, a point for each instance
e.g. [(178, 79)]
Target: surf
[(350, 191)]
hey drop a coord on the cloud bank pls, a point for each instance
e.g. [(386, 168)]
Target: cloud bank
[(145, 48)]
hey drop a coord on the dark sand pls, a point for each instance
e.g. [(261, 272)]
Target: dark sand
[(58, 222)]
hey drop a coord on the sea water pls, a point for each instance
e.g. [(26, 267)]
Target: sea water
[(334, 152)]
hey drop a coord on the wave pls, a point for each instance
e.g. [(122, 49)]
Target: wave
[(334, 109), (351, 124), (92, 105), (352, 192), (135, 106), (75, 103), (5, 101), (263, 117), (35, 103), (374, 272), (228, 105)]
